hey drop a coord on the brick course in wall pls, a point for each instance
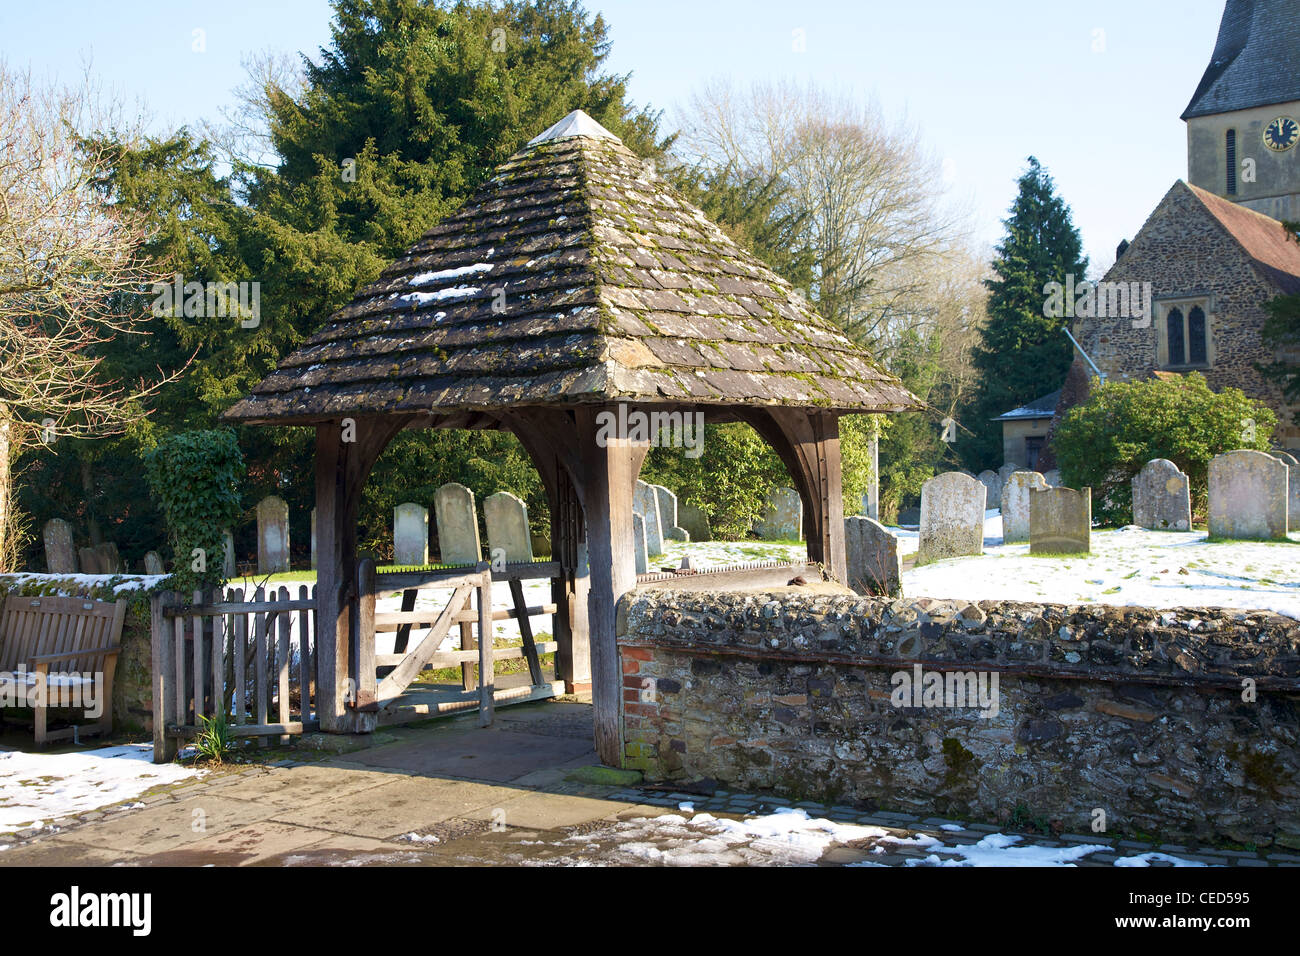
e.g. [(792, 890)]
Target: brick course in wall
[(1133, 711)]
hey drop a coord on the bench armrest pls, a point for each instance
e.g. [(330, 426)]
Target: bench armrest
[(88, 652)]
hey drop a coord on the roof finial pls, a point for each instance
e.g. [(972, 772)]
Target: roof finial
[(577, 123)]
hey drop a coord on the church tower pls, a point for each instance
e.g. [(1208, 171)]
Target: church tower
[(1243, 123)]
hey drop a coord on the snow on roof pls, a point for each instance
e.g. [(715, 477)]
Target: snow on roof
[(577, 123), (1043, 407)]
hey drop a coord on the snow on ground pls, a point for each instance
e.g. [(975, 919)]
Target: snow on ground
[(789, 836), (1128, 566), (120, 582), (38, 787)]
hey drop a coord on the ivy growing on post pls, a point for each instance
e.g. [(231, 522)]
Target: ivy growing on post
[(195, 479)]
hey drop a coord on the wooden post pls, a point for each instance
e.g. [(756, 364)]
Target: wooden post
[(609, 474), (164, 674), (364, 637), (486, 671)]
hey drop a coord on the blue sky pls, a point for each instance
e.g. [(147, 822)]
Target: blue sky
[(1093, 90)]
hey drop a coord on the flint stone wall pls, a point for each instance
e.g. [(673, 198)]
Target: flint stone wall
[(1134, 710)]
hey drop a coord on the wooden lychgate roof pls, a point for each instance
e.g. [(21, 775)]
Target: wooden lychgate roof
[(573, 275)]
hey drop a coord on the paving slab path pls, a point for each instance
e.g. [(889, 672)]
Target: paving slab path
[(520, 793)]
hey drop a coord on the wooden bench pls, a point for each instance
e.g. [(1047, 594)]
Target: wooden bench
[(67, 645)]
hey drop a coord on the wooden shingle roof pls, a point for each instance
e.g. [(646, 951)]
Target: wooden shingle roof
[(573, 275)]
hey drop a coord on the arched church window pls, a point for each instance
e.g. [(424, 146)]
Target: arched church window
[(1174, 329), (1196, 345)]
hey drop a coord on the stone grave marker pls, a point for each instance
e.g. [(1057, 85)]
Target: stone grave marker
[(992, 483), (1248, 496), (1060, 521), (1015, 504), (1162, 497), (1005, 472), (874, 565), (60, 555), (153, 563), (639, 549), (228, 547), (88, 558), (952, 517), (668, 515), (458, 540), (646, 503), (272, 535), (410, 535), (694, 523), (507, 527), (1053, 478), (783, 518), (1293, 488)]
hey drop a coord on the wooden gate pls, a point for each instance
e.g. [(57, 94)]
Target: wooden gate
[(382, 680)]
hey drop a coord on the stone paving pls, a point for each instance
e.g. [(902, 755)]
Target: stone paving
[(523, 792)]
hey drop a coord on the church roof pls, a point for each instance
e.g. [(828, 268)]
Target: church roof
[(573, 275), (1254, 59), (1275, 252)]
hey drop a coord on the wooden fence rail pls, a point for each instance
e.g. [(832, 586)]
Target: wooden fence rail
[(232, 656)]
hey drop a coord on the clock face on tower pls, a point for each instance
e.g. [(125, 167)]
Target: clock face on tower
[(1281, 134)]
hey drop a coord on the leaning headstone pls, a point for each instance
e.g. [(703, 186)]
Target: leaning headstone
[(1248, 496), (639, 549), (272, 535), (874, 565), (410, 535), (1015, 504), (992, 485), (694, 523), (668, 515), (153, 563), (60, 556), (507, 527), (952, 517), (783, 518), (646, 503), (1162, 497), (228, 542), (458, 540), (1060, 521)]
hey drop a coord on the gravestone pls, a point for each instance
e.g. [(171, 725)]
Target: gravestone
[(694, 523), (272, 535), (783, 518), (1293, 488), (639, 549), (1162, 497), (228, 543), (992, 486), (313, 540), (101, 559), (952, 517), (88, 558), (507, 527), (1060, 521), (646, 503), (1015, 504), (1053, 478), (458, 540), (1248, 496), (60, 556), (668, 515), (874, 565), (153, 563), (1005, 472), (410, 535)]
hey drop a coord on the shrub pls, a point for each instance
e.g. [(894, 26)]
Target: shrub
[(195, 479), (1104, 442)]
